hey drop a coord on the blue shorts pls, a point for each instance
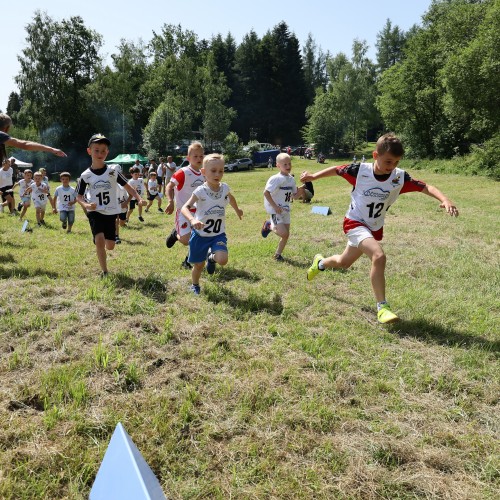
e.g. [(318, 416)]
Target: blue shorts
[(199, 246)]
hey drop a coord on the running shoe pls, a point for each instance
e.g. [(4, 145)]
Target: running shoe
[(118, 240), (186, 265), (141, 218), (279, 258), (266, 228), (210, 267), (385, 315), (171, 238), (314, 269), (195, 289), (160, 209)]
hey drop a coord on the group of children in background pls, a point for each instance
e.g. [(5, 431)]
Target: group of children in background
[(200, 198)]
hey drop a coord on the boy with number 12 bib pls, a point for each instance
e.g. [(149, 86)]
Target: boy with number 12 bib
[(375, 188), (102, 205), (208, 240)]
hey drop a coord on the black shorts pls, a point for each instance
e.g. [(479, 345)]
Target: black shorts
[(102, 223), (159, 180), (132, 204), (122, 215), (6, 191), (151, 197)]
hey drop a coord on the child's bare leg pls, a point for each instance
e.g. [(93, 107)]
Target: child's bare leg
[(38, 212), (147, 207), (374, 251), (100, 248), (283, 231), (23, 211), (184, 239), (220, 257), (348, 257), (159, 201), (196, 272)]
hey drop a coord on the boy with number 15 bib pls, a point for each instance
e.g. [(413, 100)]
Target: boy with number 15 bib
[(102, 205)]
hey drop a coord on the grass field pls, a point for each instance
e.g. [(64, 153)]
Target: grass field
[(265, 386)]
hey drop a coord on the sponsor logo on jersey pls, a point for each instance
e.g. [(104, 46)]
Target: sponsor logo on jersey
[(197, 182), (184, 225), (100, 184), (377, 192), (215, 210), (395, 181)]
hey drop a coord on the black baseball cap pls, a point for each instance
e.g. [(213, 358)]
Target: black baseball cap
[(99, 138)]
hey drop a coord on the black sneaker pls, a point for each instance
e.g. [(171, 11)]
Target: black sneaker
[(186, 265), (171, 239), (64, 225), (42, 222), (195, 289), (141, 218), (279, 258), (118, 240), (19, 207), (210, 266), (160, 209)]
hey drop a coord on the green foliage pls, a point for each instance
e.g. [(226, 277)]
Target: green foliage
[(232, 147), (486, 157)]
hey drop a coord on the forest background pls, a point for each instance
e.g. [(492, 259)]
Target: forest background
[(436, 85)]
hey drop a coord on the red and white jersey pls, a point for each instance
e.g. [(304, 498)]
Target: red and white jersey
[(185, 180), (211, 209), (371, 198)]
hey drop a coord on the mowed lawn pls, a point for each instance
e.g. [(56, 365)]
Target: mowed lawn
[(266, 385)]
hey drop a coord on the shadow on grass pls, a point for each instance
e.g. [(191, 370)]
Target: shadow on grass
[(11, 244), (433, 333), (296, 263), (151, 286), (7, 259), (251, 303), (130, 242), (22, 272), (229, 273)]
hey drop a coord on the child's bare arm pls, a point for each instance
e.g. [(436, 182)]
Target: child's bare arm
[(446, 203), (300, 193), (134, 194), (234, 204), (326, 172), (186, 211), (269, 198)]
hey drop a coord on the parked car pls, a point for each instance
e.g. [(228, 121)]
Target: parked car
[(239, 164)]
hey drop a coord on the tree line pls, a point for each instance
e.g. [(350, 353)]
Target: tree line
[(436, 85)]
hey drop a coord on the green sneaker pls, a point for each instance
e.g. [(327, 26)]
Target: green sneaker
[(385, 315), (314, 269)]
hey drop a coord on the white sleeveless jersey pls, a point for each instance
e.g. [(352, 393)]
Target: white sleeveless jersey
[(23, 187), (138, 185), (39, 194), (370, 198), (64, 197), (153, 187), (211, 209), (282, 188), (103, 190), (186, 181), (122, 198)]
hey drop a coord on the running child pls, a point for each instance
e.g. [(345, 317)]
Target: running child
[(64, 201), (40, 194), (279, 192), (136, 183), (102, 203), (208, 241), (121, 218), (376, 186), (153, 193), (24, 192), (181, 187)]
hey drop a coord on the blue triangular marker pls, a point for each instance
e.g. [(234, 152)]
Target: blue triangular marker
[(321, 210), (124, 474)]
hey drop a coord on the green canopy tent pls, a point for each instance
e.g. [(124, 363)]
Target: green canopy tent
[(128, 159)]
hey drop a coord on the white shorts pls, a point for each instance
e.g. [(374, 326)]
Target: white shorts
[(182, 225), (282, 218), (39, 204), (357, 235)]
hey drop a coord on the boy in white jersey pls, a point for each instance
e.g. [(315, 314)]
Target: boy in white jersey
[(208, 237), (376, 187), (279, 192), (181, 186), (65, 196), (121, 218), (40, 193), (136, 183), (153, 193), (24, 192), (102, 203)]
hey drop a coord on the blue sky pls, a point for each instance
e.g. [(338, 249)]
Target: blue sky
[(334, 24)]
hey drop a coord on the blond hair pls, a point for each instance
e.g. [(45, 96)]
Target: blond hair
[(198, 146), (212, 157), (283, 157)]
